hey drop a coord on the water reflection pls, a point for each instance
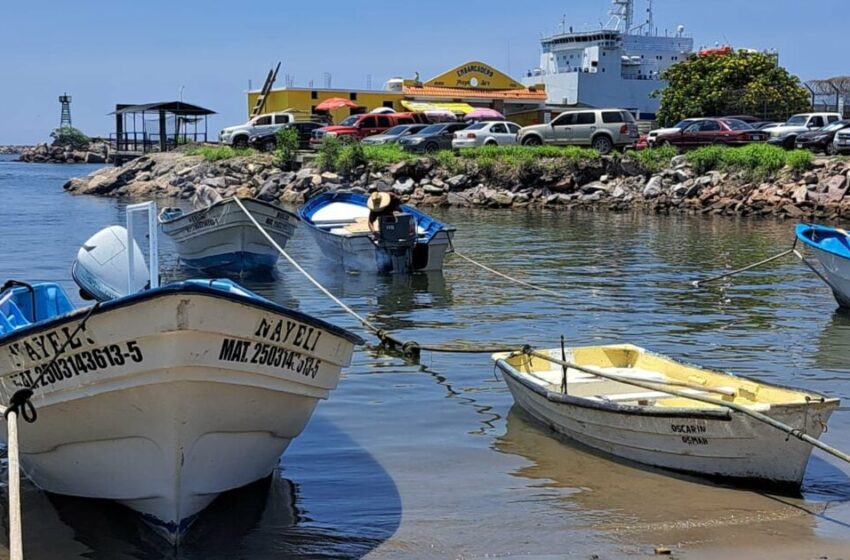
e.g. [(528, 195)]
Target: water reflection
[(629, 502)]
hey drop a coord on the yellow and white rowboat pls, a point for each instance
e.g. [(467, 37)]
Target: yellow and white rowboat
[(649, 425)]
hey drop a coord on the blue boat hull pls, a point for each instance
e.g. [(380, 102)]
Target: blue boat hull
[(831, 247)]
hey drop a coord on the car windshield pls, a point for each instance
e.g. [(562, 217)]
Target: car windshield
[(798, 120), (476, 126), (837, 125), (433, 129), (737, 125), (350, 121), (684, 123), (396, 130)]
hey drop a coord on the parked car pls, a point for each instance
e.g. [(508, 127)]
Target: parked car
[(267, 141), (786, 135), (432, 138), (489, 133), (727, 132), (841, 142), (821, 140), (602, 129), (392, 135), (358, 127), (761, 125), (239, 136), (652, 136)]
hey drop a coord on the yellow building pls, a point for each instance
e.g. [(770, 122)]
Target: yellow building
[(461, 90)]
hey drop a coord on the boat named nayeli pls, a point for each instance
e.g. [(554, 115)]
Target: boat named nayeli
[(657, 428), (398, 242), (164, 398)]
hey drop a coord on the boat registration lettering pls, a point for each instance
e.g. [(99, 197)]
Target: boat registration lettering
[(85, 362), (261, 353), (44, 346), (285, 331), (687, 430)]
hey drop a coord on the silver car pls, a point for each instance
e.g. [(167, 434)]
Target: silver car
[(393, 135), (601, 129)]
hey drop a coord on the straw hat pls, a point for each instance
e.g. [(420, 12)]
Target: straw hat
[(378, 201)]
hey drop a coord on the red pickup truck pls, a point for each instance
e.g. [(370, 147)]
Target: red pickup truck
[(358, 127)]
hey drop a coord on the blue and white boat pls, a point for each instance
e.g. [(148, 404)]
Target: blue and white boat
[(161, 399), (410, 241), (831, 247), (220, 238)]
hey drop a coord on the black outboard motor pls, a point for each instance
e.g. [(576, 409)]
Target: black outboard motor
[(397, 234)]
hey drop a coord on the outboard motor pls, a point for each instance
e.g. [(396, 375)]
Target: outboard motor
[(102, 264), (397, 234)]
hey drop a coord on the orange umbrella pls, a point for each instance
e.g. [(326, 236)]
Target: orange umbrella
[(334, 103)]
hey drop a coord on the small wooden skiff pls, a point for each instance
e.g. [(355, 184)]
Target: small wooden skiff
[(664, 430)]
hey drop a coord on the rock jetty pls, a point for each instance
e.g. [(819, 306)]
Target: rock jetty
[(95, 152), (12, 149), (609, 183)]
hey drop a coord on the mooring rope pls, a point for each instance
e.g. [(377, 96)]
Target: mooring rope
[(505, 276), (697, 283), (659, 386), (409, 349)]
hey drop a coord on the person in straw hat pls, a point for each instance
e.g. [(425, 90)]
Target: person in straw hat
[(381, 204)]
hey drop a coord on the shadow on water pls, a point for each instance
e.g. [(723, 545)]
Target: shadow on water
[(625, 498), (345, 512)]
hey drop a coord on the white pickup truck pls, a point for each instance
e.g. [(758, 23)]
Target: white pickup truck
[(238, 136), (786, 135)]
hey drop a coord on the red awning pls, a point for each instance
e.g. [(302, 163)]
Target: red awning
[(335, 103)]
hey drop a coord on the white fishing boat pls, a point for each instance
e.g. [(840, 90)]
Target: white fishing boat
[(221, 238), (831, 247), (164, 398), (666, 430), (409, 241)]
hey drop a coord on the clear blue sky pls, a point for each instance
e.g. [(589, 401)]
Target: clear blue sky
[(134, 52)]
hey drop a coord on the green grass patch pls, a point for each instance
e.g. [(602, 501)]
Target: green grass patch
[(218, 153), (758, 161), (653, 160)]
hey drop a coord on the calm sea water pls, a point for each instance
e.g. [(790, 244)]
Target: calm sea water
[(432, 460)]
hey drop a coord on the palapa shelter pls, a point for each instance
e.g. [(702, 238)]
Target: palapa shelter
[(160, 126)]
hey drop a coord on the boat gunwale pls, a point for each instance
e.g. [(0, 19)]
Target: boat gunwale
[(676, 412), (176, 289), (802, 229), (223, 202)]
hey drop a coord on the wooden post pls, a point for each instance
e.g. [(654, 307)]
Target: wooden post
[(16, 548), (163, 132)]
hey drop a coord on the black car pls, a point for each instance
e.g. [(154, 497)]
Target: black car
[(268, 142), (432, 138), (820, 140)]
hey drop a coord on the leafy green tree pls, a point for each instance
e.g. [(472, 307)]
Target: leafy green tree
[(739, 83), (287, 147), (70, 137)]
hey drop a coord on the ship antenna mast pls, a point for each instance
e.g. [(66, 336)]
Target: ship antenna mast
[(622, 16), (649, 20)]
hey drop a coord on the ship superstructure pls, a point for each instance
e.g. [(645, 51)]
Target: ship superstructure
[(618, 65)]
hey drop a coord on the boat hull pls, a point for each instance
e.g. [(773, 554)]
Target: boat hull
[(167, 400), (717, 444), (837, 272), (221, 238), (359, 253)]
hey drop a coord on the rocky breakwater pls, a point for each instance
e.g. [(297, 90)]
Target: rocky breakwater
[(94, 152), (12, 149), (177, 175), (607, 183)]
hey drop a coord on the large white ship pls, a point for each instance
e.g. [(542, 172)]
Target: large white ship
[(617, 65)]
